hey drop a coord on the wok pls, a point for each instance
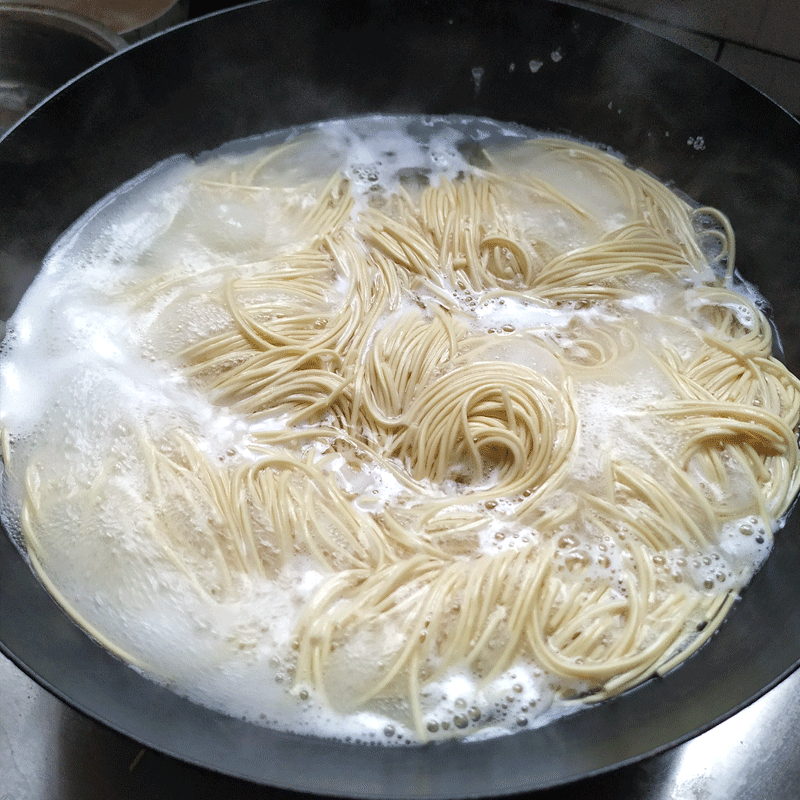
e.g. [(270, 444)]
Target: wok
[(284, 62)]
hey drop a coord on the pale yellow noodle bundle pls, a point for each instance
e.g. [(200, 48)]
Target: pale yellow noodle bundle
[(357, 349)]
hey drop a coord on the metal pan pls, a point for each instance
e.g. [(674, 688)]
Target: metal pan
[(548, 66)]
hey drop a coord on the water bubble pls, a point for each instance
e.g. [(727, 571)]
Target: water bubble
[(577, 560), (567, 541)]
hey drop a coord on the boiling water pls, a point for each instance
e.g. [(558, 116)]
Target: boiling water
[(87, 372)]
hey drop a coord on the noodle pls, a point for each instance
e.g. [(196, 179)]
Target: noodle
[(496, 429)]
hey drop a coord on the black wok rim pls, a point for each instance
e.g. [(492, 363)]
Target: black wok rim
[(347, 770)]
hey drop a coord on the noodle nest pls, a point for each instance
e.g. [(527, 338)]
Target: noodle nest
[(355, 351)]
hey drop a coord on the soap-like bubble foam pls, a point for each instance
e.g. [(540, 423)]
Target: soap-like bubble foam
[(89, 371)]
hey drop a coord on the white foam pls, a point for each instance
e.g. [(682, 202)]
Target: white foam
[(82, 376)]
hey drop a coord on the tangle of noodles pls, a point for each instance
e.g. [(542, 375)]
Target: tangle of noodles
[(488, 442)]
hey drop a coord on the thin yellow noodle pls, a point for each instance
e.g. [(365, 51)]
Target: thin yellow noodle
[(361, 353), (94, 632), (5, 446)]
